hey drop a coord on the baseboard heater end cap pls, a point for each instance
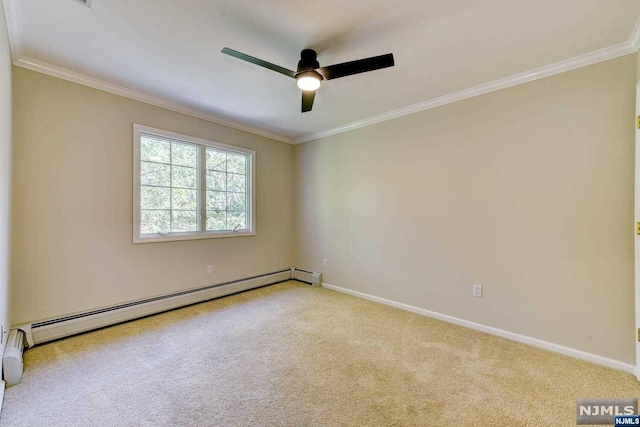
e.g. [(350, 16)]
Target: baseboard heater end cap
[(309, 277), (12, 357), (28, 335), (316, 279)]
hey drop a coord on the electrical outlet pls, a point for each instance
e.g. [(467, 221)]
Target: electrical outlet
[(209, 270), (325, 263), (477, 291)]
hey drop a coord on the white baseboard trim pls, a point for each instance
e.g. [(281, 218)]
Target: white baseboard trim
[(2, 387), (545, 345), (52, 329)]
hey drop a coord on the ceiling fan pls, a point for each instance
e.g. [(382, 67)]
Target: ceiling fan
[(310, 73)]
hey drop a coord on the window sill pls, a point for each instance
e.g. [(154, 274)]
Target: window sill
[(195, 236)]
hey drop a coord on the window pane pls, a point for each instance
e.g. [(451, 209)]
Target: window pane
[(184, 155), (153, 222), (184, 221), (236, 163), (236, 221), (236, 183), (173, 174), (216, 181), (154, 150), (155, 198), (216, 201), (184, 199), (216, 160), (236, 202), (155, 174), (184, 177), (216, 221)]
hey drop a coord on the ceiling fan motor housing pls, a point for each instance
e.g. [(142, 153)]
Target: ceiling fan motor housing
[(308, 62)]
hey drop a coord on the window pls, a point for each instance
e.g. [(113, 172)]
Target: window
[(189, 188)]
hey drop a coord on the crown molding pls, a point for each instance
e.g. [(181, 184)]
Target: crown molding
[(634, 39), (14, 28), (528, 76), (63, 73)]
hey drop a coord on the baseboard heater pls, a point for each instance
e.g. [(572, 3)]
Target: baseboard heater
[(52, 329)]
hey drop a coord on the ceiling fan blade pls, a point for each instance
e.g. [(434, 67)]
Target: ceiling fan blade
[(259, 62), (307, 100), (356, 67)]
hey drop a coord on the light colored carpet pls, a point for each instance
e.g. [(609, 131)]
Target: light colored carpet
[(294, 355)]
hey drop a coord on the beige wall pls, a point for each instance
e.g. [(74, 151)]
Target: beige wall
[(5, 172), (527, 191), (72, 204)]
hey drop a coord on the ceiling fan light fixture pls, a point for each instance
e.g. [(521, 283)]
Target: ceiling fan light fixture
[(310, 74), (308, 80)]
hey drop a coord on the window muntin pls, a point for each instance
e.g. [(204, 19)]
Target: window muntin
[(189, 188)]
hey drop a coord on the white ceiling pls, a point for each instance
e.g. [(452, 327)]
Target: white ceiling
[(170, 50)]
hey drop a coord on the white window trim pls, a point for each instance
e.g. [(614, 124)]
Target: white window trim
[(251, 203)]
